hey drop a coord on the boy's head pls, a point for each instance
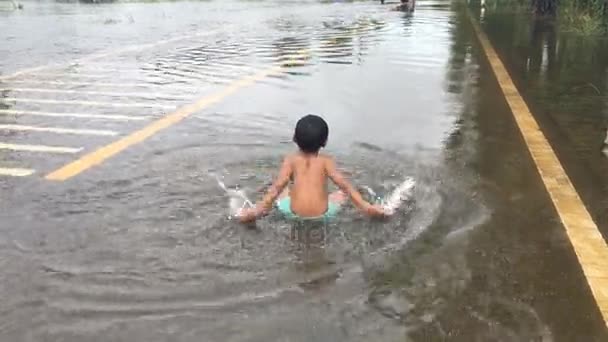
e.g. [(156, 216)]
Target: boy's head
[(311, 133)]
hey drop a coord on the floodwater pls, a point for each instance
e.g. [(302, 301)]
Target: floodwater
[(564, 77), (140, 248)]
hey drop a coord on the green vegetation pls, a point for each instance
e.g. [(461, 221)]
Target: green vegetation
[(587, 17)]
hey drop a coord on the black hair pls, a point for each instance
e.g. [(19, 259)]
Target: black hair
[(311, 133)]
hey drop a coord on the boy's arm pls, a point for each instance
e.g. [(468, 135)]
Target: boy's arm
[(263, 206), (338, 178), (277, 186)]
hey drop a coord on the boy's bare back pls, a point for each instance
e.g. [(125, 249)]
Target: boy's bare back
[(309, 195)]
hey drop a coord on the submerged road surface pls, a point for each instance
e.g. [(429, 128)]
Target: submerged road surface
[(116, 119)]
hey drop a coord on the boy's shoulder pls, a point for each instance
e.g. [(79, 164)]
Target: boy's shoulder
[(290, 157), (293, 157), (326, 157)]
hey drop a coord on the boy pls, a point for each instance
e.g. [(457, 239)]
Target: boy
[(406, 6), (309, 171)]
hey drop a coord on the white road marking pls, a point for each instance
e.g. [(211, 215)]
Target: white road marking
[(39, 148), (113, 52), (57, 130), (75, 74), (100, 84), (87, 103), (189, 70), (15, 172), (201, 74), (99, 93), (75, 115), (97, 69), (103, 153)]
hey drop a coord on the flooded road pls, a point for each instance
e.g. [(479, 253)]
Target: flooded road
[(564, 77), (138, 247)]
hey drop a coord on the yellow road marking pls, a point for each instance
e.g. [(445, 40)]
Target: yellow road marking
[(587, 241), (86, 103), (39, 148), (14, 172), (96, 93), (74, 115), (59, 130), (96, 157)]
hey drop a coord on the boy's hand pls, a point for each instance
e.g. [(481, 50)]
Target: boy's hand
[(375, 210), (248, 215)]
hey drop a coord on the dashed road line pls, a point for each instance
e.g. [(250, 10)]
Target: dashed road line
[(100, 84), (97, 93), (112, 52), (586, 240), (82, 75), (87, 103), (59, 130), (204, 73), (9, 112), (99, 156), (39, 148), (15, 172)]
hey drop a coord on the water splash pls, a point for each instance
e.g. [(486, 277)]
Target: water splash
[(401, 193), (238, 200)]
